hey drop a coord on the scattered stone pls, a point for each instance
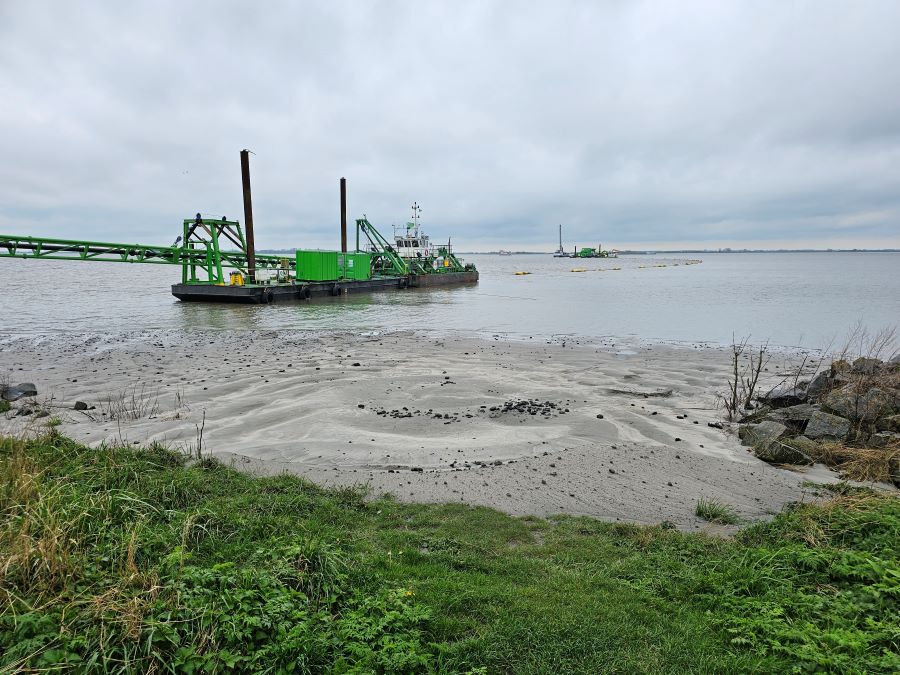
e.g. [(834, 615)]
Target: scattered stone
[(80, 405), (530, 407), (823, 425), (715, 425)]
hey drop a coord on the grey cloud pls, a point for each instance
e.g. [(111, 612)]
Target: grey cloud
[(631, 123)]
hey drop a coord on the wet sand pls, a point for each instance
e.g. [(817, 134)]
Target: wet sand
[(610, 429)]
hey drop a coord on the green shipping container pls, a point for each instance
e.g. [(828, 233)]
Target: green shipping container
[(318, 265), (333, 266), (357, 266)]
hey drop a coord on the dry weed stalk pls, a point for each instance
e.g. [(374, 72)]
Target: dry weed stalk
[(861, 343), (129, 404), (744, 378), (859, 464)]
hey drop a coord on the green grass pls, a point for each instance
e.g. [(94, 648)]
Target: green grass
[(715, 512), (129, 560)]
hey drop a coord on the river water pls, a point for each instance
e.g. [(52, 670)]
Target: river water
[(791, 299)]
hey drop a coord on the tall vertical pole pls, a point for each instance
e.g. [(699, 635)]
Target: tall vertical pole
[(248, 215), (343, 215), (560, 237)]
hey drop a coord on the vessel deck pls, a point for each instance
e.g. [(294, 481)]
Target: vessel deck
[(311, 290)]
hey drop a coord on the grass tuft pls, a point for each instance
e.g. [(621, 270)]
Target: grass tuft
[(715, 512)]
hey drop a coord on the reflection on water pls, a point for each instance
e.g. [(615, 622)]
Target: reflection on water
[(792, 298)]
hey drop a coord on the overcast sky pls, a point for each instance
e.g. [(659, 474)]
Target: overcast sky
[(634, 124)]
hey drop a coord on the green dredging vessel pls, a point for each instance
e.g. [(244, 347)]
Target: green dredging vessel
[(219, 262)]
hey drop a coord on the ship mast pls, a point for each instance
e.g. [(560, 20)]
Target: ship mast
[(417, 210)]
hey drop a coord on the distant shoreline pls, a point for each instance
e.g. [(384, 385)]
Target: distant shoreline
[(275, 251), (709, 251)]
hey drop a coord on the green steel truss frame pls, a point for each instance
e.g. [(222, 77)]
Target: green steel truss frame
[(202, 259)]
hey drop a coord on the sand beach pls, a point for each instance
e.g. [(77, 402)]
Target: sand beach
[(612, 429)]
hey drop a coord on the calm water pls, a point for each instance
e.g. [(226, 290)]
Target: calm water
[(805, 299)]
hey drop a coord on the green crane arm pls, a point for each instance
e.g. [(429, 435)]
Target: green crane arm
[(394, 263)]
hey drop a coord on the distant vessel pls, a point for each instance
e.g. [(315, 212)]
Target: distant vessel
[(502, 252), (586, 252), (560, 252)]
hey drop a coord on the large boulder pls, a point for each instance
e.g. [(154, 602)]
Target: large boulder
[(795, 417), (842, 402), (21, 390), (866, 366), (799, 450), (868, 407), (889, 423), (877, 403), (821, 384), (839, 367), (894, 470), (882, 439), (762, 435), (823, 425), (794, 413), (757, 415), (784, 396)]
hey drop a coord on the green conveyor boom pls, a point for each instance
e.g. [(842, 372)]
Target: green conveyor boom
[(200, 255)]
